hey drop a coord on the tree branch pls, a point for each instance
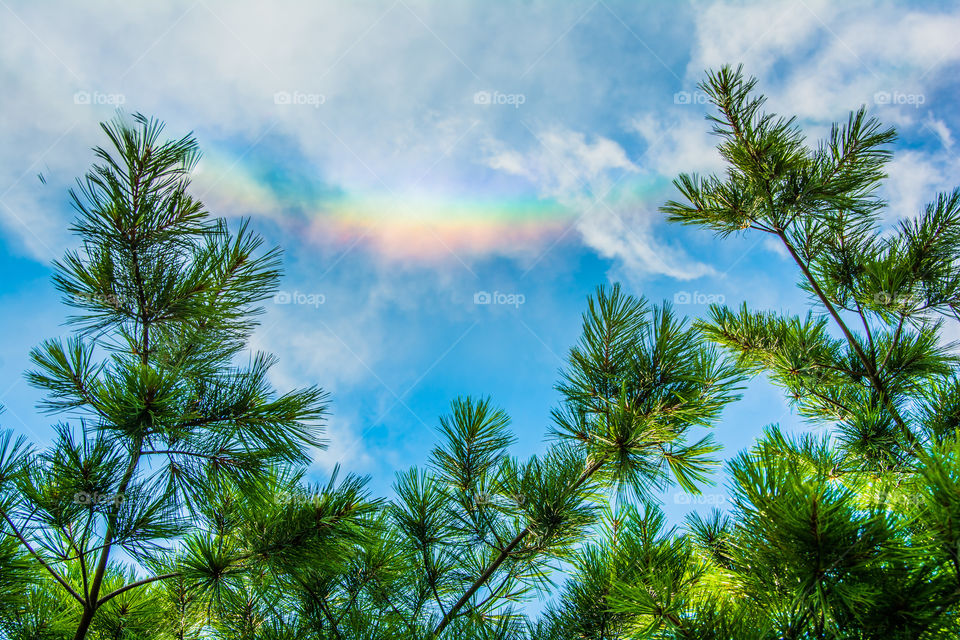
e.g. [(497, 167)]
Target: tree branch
[(90, 608), (43, 562), (852, 341), (134, 585), (504, 554)]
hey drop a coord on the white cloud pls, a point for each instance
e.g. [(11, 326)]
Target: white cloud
[(588, 174), (394, 80), (940, 128), (509, 161), (773, 244), (398, 82), (625, 233), (915, 178), (562, 163), (344, 447), (758, 34), (678, 144), (819, 59)]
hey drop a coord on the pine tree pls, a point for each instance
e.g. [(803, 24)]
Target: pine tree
[(847, 534), (108, 532), (477, 531)]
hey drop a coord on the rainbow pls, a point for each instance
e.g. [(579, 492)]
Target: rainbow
[(424, 224), (418, 226)]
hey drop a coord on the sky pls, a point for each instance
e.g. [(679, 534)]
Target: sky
[(451, 180)]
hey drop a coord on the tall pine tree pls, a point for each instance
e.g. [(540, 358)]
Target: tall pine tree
[(110, 532), (851, 533)]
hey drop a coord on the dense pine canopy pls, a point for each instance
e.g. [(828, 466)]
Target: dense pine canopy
[(173, 502)]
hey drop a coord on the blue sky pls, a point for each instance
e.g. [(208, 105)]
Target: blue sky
[(409, 156)]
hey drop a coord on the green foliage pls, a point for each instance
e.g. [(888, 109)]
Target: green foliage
[(478, 532), (164, 421), (638, 382), (174, 504), (850, 534), (821, 205), (847, 536)]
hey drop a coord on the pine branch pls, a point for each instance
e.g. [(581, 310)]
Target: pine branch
[(321, 603), (134, 585), (504, 554), (855, 345), (43, 563), (894, 341), (90, 605)]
